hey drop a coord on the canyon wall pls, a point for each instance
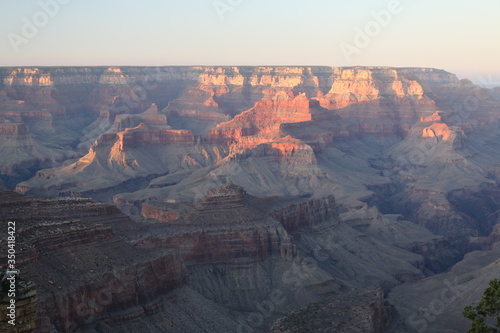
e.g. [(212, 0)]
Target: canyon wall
[(273, 130), (359, 175)]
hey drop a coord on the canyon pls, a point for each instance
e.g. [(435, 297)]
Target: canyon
[(249, 199)]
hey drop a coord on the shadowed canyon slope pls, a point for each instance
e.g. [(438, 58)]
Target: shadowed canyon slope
[(362, 175), (230, 255)]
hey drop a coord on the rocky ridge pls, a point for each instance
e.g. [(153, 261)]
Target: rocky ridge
[(225, 251)]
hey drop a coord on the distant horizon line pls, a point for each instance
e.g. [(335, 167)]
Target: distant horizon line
[(476, 77), (326, 66)]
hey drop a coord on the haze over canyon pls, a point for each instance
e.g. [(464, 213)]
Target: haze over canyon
[(249, 199)]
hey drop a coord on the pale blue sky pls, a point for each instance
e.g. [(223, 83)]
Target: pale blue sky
[(460, 36)]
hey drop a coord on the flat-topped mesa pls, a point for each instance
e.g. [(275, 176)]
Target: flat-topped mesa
[(366, 85), (145, 135), (429, 76), (224, 194), (28, 77), (282, 148), (114, 76), (222, 205), (197, 110), (223, 227)]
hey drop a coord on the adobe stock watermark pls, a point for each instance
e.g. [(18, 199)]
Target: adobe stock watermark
[(452, 291), (31, 26), (90, 307), (363, 36), (224, 6), (225, 174), (489, 81), (294, 279)]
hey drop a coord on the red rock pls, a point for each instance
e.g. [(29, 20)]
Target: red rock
[(436, 117), (305, 215), (437, 130), (262, 123)]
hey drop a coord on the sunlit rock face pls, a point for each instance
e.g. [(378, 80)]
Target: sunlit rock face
[(110, 131), (240, 181)]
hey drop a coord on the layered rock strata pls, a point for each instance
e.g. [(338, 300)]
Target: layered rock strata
[(67, 248)]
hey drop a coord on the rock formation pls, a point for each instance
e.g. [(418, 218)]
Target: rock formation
[(68, 249), (409, 154), (362, 310)]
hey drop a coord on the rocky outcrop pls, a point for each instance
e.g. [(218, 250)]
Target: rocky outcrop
[(262, 123), (357, 311), (225, 225), (374, 97), (143, 135), (159, 211), (237, 255), (15, 131), (306, 215), (81, 268), (196, 109)]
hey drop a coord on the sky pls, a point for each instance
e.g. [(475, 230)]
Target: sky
[(460, 36)]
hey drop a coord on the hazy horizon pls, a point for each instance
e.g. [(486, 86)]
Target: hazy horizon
[(457, 36)]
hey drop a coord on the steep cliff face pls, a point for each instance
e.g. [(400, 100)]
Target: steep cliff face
[(222, 218), (305, 216), (150, 117), (238, 256), (81, 268), (235, 254)]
